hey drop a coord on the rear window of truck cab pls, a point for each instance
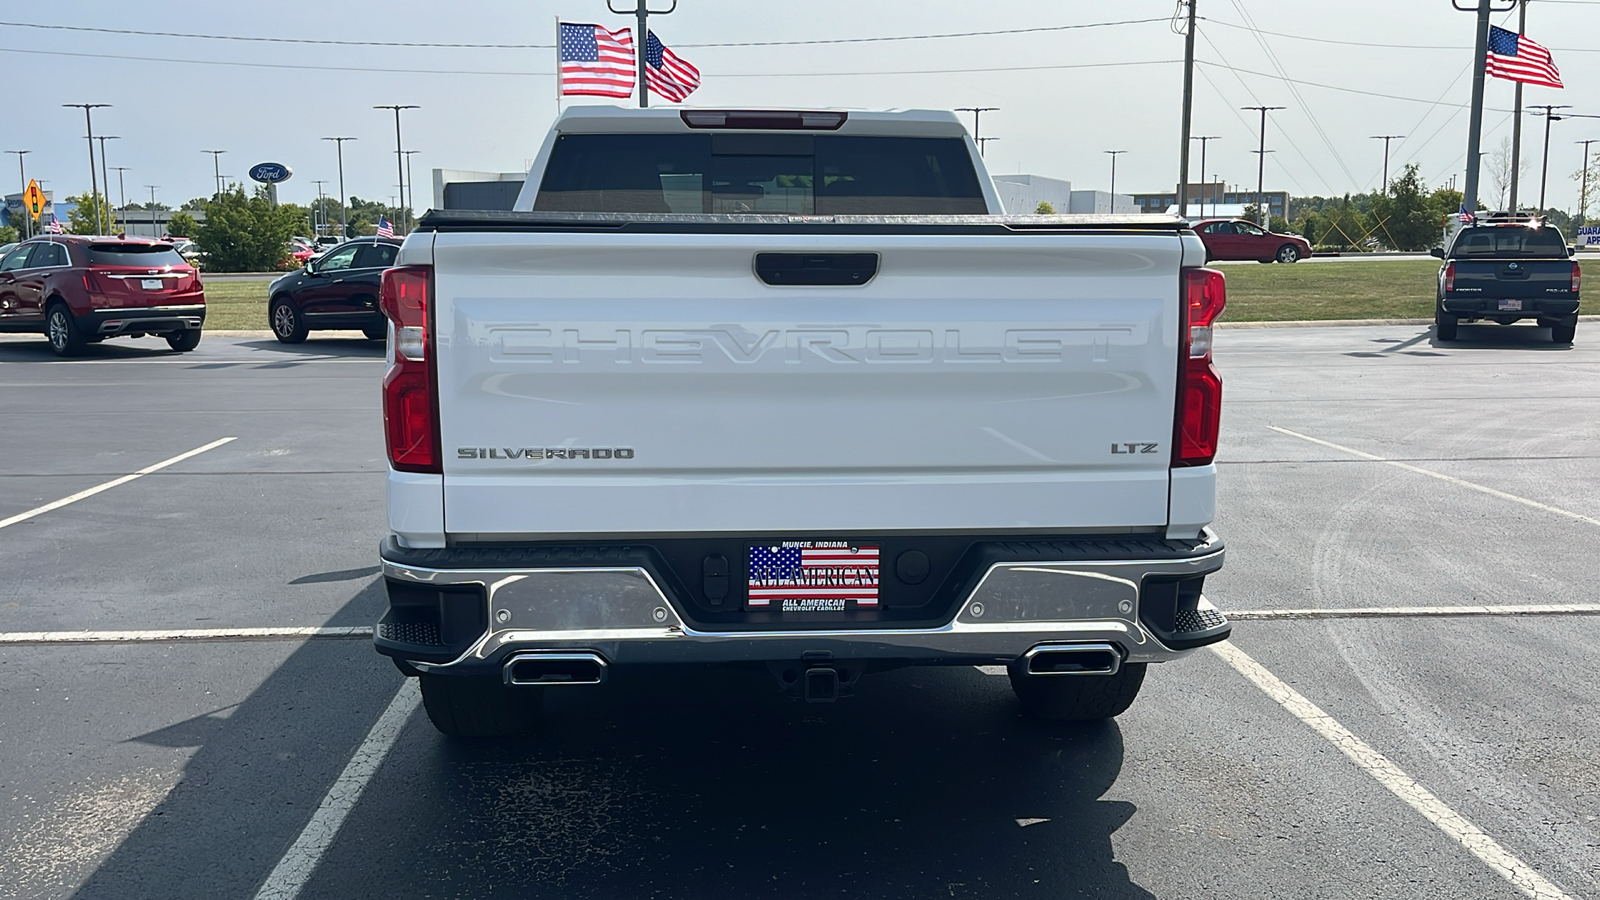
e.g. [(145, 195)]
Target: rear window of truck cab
[(1510, 240), (759, 174), (131, 254)]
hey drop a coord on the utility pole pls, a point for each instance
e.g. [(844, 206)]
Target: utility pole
[(983, 143), (1549, 116), (641, 40), (1114, 154), (27, 220), (1386, 138), (977, 113), (1516, 114), (122, 189), (105, 178), (94, 188), (1583, 192), (1188, 103), (1261, 160), (216, 168), (1481, 9), (344, 227), (399, 152), (1203, 139), (316, 229), (154, 232), (411, 187)]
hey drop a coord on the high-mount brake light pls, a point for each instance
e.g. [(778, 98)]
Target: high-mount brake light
[(774, 120), (410, 387), (1450, 277), (1199, 414), (1577, 277)]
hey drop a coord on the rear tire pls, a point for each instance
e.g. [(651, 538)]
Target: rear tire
[(1077, 698), (1444, 325), (1288, 253), (1565, 331), (479, 706), (185, 340), (65, 339), (288, 326)]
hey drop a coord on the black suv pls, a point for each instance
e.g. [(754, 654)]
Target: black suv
[(336, 290), (1505, 268)]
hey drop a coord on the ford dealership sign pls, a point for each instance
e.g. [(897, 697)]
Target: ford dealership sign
[(270, 172)]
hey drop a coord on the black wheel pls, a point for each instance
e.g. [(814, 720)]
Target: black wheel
[(1077, 698), (288, 325), (65, 339), (185, 340), (1444, 325), (1564, 331), (479, 706), (378, 332), (1288, 253)]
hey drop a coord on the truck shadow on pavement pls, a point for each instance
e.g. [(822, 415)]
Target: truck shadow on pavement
[(135, 348), (1521, 336), (356, 347), (706, 783)]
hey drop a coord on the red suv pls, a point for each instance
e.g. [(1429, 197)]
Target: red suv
[(1244, 239), (80, 290)]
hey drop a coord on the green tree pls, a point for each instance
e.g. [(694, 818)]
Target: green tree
[(182, 225), (81, 219), (9, 235), (246, 233), (1044, 208), (1405, 217)]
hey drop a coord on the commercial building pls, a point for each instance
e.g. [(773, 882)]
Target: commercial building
[(1021, 194), (466, 189), (1216, 198)]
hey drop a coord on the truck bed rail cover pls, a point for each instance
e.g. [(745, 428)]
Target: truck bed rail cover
[(671, 223)]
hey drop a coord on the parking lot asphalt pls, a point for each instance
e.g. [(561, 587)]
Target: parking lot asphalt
[(1369, 475)]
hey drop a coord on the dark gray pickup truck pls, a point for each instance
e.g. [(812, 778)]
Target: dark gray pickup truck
[(1506, 271)]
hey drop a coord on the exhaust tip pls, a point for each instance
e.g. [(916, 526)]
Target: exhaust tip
[(555, 669), (1074, 659)]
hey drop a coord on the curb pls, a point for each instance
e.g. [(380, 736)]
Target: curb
[(1346, 323)]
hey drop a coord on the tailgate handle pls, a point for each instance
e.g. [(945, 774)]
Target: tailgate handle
[(816, 268)]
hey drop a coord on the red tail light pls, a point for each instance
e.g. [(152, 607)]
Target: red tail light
[(91, 284), (1577, 277), (1450, 277), (1199, 416), (410, 387)]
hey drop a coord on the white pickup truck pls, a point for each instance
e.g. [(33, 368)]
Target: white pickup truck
[(788, 390)]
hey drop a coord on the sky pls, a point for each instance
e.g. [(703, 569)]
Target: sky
[(1064, 95)]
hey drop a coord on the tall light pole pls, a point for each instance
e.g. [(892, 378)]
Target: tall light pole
[(411, 186), (27, 220), (977, 115), (216, 168), (1114, 154), (154, 232), (344, 227), (984, 142), (105, 178), (1549, 116), (1583, 192), (94, 188), (122, 189), (1203, 139), (1386, 138), (641, 41), (316, 230), (399, 151), (1261, 154), (1188, 107)]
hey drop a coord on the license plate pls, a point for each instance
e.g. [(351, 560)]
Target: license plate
[(1512, 305), (152, 284), (813, 577)]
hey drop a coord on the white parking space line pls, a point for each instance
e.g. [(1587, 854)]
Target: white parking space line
[(1442, 477), (1402, 612), (23, 517), (291, 633), (1453, 824), (297, 865)]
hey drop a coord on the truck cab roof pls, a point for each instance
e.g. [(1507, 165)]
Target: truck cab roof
[(678, 120)]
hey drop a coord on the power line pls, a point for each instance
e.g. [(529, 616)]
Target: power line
[(1375, 45), (463, 46)]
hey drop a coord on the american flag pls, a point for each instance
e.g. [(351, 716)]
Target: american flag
[(55, 225), (384, 228), (666, 73), (597, 62), (1514, 57), (1465, 216), (828, 574)]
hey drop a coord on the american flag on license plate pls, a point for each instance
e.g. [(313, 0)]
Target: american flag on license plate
[(813, 576)]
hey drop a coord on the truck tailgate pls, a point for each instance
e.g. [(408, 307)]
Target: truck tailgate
[(637, 384)]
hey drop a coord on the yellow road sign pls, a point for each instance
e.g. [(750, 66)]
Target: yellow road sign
[(33, 199)]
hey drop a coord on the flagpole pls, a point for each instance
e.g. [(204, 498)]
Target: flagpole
[(1516, 117), (558, 67)]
